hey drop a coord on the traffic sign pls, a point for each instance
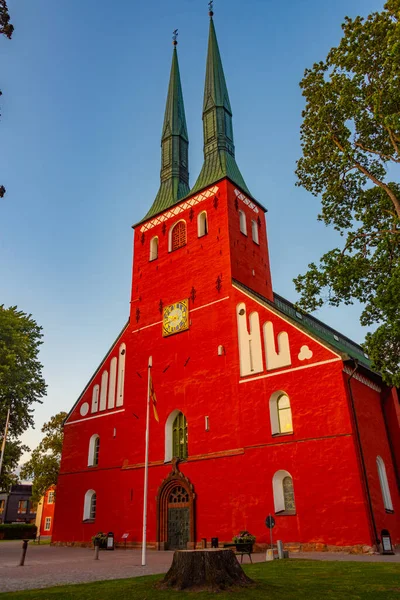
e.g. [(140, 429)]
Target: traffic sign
[(270, 522)]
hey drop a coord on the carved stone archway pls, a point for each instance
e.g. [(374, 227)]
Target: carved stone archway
[(175, 479)]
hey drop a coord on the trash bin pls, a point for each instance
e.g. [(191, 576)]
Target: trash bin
[(110, 541), (214, 542)]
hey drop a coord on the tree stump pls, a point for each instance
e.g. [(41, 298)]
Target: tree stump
[(209, 569)]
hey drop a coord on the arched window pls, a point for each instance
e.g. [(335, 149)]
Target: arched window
[(94, 449), (95, 398), (180, 436), (154, 248), (176, 436), (387, 499), (121, 375), (282, 486), (89, 507), (242, 222), (103, 390), (254, 231), (284, 414), (177, 236), (280, 413), (111, 387), (202, 228)]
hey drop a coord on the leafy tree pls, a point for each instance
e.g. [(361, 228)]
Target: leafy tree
[(5, 26), (21, 381), (5, 29), (351, 147), (12, 456), (44, 464)]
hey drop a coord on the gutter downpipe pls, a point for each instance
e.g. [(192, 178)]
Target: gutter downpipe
[(364, 469)]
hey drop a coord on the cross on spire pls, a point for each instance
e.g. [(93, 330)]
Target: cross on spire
[(219, 148), (174, 183), (211, 8)]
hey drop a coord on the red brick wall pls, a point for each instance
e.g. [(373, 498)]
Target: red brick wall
[(249, 261), (233, 491), (375, 443)]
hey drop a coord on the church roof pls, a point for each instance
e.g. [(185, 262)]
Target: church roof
[(313, 326), (174, 147), (219, 149), (215, 89)]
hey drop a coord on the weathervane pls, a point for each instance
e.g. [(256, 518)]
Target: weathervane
[(211, 8), (175, 37)]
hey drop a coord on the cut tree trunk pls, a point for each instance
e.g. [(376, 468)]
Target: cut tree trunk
[(208, 569)]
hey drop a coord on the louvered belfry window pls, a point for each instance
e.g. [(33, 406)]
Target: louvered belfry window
[(178, 236)]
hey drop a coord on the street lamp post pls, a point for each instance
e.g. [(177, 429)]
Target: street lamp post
[(3, 445)]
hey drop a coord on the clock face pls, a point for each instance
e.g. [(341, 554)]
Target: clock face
[(176, 317)]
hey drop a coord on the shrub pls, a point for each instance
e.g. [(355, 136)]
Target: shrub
[(102, 538), (244, 537), (17, 531)]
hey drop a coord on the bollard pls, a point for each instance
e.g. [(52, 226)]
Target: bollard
[(96, 549), (279, 545), (23, 554)]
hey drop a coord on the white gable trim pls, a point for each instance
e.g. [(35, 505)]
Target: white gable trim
[(106, 414), (317, 364), (107, 356), (283, 317)]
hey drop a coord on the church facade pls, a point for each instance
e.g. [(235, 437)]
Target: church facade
[(258, 409)]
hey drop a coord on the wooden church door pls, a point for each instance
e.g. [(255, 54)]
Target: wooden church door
[(178, 519)]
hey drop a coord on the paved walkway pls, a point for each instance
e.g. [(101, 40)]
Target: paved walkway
[(46, 566)]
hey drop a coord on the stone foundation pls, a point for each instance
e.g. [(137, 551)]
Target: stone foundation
[(292, 547)]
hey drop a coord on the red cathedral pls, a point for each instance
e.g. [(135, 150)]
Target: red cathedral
[(261, 409)]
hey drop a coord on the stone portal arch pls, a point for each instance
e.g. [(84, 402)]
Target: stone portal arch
[(175, 511)]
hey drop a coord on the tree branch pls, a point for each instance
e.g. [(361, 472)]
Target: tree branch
[(372, 234), (381, 154), (381, 184)]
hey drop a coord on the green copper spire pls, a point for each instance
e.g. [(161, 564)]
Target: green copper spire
[(174, 146), (219, 149)]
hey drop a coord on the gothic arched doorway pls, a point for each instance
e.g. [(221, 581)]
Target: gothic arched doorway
[(175, 512)]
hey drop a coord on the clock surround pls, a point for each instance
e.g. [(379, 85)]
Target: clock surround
[(176, 317)]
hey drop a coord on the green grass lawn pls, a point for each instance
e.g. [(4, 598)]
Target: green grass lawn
[(283, 580)]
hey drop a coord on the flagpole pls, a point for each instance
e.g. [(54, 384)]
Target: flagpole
[(146, 464)]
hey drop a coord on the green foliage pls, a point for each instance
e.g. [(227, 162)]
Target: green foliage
[(21, 381), (101, 538), (244, 537), (44, 464), (17, 531), (350, 136), (12, 456), (5, 26)]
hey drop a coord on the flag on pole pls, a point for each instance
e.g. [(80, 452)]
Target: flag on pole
[(153, 400)]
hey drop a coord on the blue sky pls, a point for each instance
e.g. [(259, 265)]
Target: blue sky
[(84, 85)]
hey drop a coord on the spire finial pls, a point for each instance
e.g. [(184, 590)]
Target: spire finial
[(175, 37), (211, 8)]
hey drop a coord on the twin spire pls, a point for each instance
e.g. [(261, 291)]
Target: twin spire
[(219, 149)]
